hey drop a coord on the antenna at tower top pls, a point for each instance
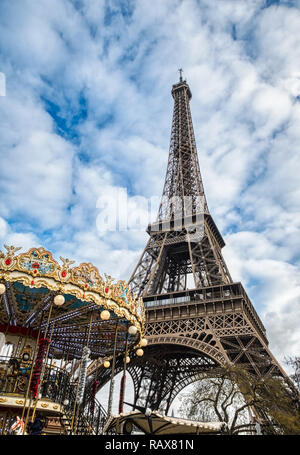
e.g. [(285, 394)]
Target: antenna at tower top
[(180, 72)]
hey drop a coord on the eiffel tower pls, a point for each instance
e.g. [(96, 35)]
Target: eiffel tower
[(196, 317)]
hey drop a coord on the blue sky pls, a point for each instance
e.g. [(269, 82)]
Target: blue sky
[(88, 111)]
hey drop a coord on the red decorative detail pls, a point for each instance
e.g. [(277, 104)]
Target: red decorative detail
[(35, 380), (106, 290), (35, 265), (86, 286), (8, 261), (63, 273), (83, 296), (32, 283), (35, 271)]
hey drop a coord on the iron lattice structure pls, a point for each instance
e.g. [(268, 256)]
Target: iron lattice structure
[(196, 316), (184, 248)]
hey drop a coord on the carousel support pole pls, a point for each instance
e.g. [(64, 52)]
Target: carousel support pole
[(64, 370), (49, 315), (75, 401), (87, 344), (31, 369), (112, 381), (123, 380)]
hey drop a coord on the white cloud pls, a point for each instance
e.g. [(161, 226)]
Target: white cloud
[(278, 40), (8, 236), (3, 229), (36, 165)]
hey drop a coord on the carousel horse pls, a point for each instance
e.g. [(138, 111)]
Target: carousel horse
[(18, 427)]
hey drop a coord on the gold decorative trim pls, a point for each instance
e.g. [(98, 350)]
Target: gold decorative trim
[(3, 400), (37, 268)]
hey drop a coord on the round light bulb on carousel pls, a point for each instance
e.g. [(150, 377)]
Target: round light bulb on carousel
[(106, 363), (127, 360), (140, 352), (59, 300), (2, 289), (132, 330), (143, 342), (104, 315), (66, 402)]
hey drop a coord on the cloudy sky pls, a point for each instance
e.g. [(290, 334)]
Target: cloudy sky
[(87, 112)]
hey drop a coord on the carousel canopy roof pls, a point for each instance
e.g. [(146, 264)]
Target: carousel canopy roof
[(33, 279), (162, 424)]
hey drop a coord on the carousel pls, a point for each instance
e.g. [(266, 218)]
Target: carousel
[(56, 321)]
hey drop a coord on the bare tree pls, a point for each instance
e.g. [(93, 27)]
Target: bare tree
[(294, 363), (230, 394)]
